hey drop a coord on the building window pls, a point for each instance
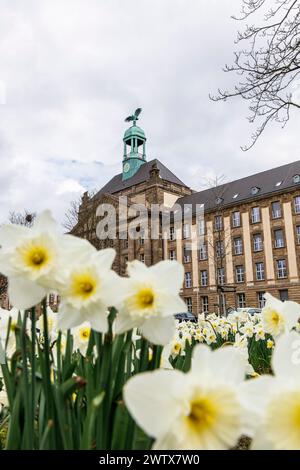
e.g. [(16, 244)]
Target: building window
[(172, 255), (276, 210), (188, 280), (296, 178), (125, 243), (221, 276), (172, 233), (241, 300), (284, 295), (204, 278), (189, 304), (186, 255), (261, 299), (201, 227), (255, 215), (239, 273), (203, 252), (236, 219), (298, 234), (260, 271), (281, 269), (218, 223), (204, 302), (297, 204), (142, 258), (186, 231), (255, 190), (238, 246), (219, 248), (142, 238), (257, 242), (279, 240)]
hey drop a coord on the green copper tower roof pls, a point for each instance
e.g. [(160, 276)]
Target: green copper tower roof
[(134, 131), (134, 147)]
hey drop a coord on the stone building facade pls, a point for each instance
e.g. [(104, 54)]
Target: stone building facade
[(250, 237)]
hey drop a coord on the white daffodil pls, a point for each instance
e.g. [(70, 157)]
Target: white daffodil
[(259, 332), (9, 318), (198, 410), (52, 323), (81, 336), (247, 329), (274, 401), (279, 317), (29, 257), (87, 288), (152, 300), (210, 338)]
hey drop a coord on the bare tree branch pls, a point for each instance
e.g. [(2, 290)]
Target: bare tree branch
[(25, 218), (268, 64), (71, 214)]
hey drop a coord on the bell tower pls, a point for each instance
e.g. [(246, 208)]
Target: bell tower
[(134, 147)]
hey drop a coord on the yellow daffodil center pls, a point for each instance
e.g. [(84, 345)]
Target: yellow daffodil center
[(145, 298), (84, 285), (84, 333), (34, 256), (275, 318), (13, 326), (274, 321), (177, 348), (213, 412), (202, 414)]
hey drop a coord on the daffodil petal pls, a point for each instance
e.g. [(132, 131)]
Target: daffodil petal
[(260, 441), (97, 316), (125, 322), (68, 317), (170, 303), (24, 293), (45, 222), (255, 394), (105, 258), (10, 235), (159, 330), (291, 311), (169, 275), (152, 400), (286, 356)]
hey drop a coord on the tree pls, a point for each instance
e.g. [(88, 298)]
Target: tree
[(220, 239), (268, 63), (25, 218), (71, 214)]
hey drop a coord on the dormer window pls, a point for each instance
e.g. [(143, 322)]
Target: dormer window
[(255, 190), (279, 183), (235, 196), (296, 178), (219, 200)]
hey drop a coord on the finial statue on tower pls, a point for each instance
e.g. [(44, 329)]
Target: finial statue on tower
[(134, 117)]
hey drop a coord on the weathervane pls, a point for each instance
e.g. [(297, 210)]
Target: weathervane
[(134, 116)]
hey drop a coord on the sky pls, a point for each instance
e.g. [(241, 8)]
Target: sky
[(72, 70)]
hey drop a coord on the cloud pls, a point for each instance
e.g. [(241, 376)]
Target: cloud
[(73, 70)]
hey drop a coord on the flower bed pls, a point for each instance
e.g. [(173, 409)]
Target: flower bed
[(114, 370)]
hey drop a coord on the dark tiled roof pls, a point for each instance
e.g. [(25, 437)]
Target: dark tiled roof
[(143, 174), (266, 182)]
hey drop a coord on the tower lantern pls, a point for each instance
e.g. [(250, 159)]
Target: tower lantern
[(134, 147)]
